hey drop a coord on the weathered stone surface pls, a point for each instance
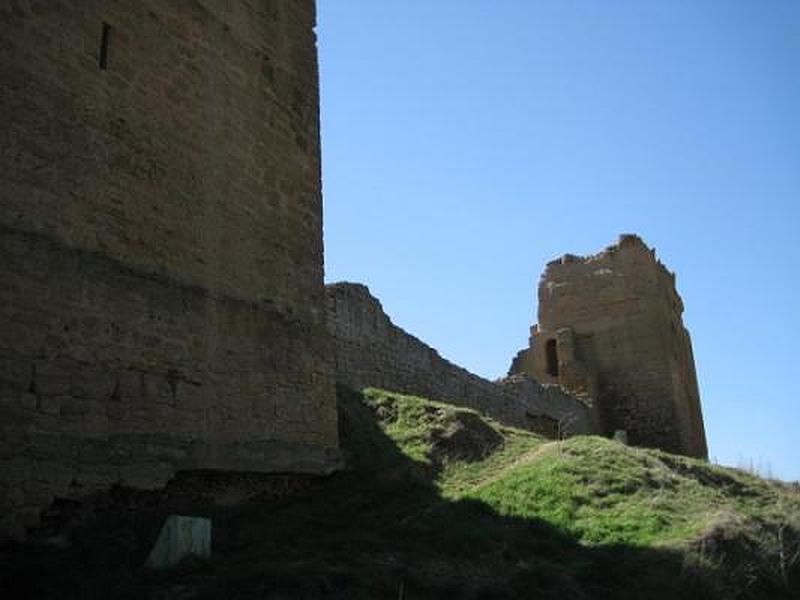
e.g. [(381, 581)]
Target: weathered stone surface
[(610, 329), (161, 242), (370, 351)]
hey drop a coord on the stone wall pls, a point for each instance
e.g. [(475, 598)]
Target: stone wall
[(161, 241), (610, 328), (371, 351)]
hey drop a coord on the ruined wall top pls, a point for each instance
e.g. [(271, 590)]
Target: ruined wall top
[(630, 258), (370, 351), (625, 240), (627, 243)]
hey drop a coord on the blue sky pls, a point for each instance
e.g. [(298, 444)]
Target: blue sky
[(467, 142)]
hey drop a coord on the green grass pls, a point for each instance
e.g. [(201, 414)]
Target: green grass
[(604, 493), (598, 490), (440, 502), (409, 421)]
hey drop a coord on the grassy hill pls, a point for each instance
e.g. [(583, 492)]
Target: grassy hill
[(440, 502)]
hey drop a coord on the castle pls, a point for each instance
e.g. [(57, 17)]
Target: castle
[(163, 306), (610, 330)]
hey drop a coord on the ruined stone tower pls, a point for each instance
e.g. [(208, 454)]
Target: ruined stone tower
[(610, 329), (162, 301)]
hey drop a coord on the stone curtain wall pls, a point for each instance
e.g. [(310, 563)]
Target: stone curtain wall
[(372, 352), (160, 234), (615, 320)]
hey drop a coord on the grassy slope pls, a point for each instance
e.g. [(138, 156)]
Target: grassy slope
[(604, 492), (734, 532), (599, 490), (440, 502)]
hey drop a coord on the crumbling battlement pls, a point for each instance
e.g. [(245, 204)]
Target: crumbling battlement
[(370, 351), (610, 328), (161, 241)]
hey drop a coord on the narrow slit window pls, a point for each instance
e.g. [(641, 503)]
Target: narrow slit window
[(105, 37), (551, 356)]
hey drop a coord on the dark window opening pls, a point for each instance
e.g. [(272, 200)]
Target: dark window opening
[(551, 354), (104, 39)]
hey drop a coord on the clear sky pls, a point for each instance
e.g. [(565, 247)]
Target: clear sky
[(467, 142)]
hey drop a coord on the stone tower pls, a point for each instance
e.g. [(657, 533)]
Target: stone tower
[(610, 329), (161, 232)]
